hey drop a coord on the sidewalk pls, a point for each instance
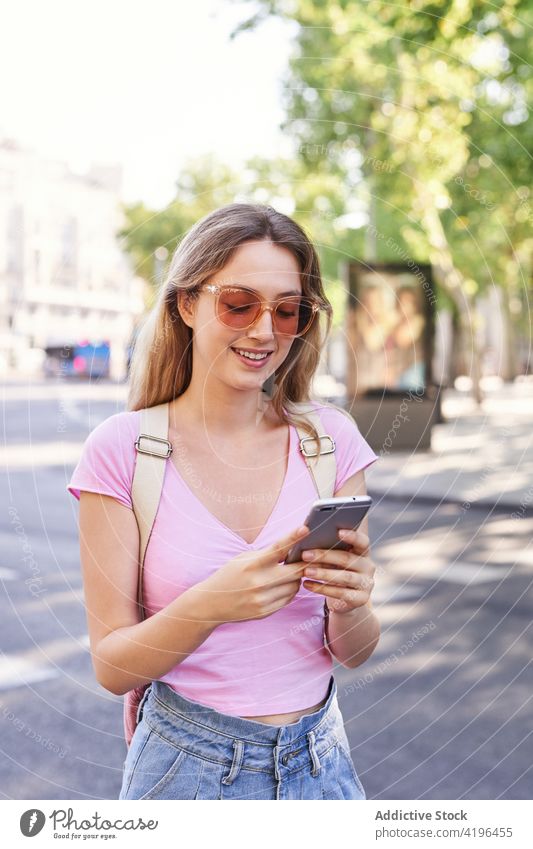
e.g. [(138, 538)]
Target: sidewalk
[(479, 456)]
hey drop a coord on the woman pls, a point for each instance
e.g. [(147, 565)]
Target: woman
[(406, 339), (242, 703)]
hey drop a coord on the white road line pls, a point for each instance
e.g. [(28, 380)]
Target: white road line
[(15, 672), (471, 573), (26, 667)]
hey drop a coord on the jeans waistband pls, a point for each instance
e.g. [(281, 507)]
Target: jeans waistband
[(242, 743)]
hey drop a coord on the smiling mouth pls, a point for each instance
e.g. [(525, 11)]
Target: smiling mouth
[(253, 356)]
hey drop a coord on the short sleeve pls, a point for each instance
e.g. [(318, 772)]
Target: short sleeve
[(352, 451), (107, 460)]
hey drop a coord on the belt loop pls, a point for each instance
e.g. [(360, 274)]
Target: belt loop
[(238, 752), (314, 757), (140, 706), (277, 750)]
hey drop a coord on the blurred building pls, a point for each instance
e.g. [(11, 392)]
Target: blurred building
[(63, 276)]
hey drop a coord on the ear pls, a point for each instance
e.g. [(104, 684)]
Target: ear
[(185, 305)]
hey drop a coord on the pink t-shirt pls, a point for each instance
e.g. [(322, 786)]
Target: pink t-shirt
[(278, 664)]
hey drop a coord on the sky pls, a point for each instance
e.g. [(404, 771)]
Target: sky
[(143, 84)]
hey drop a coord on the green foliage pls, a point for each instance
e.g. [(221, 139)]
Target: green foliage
[(412, 104)]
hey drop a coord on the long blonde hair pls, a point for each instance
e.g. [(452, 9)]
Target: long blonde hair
[(161, 363)]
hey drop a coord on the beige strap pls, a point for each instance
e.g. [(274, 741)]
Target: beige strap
[(152, 447), (322, 465)]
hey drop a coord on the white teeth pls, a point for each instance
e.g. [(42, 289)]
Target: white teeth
[(251, 356)]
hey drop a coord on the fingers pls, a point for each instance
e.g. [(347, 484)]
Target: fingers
[(340, 578), (279, 550), (352, 598), (336, 558), (357, 539)]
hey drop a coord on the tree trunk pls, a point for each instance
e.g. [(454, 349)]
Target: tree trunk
[(510, 369), (452, 280)]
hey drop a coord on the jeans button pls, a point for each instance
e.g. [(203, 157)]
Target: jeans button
[(284, 760)]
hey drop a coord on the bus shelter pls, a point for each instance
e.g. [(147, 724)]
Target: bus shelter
[(390, 331)]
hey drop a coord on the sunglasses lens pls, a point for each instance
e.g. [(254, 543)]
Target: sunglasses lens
[(238, 308), (293, 315)]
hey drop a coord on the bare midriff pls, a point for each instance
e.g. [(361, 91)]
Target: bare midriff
[(287, 718)]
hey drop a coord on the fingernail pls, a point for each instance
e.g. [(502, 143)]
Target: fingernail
[(308, 555), (343, 534)]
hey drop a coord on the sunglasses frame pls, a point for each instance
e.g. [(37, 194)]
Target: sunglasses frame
[(217, 290)]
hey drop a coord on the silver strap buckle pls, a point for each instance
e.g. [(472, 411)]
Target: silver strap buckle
[(307, 453), (164, 453)]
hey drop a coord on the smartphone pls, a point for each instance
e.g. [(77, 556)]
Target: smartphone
[(326, 517)]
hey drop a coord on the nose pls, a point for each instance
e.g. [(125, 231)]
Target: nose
[(263, 328)]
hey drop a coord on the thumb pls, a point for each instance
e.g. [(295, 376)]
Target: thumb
[(279, 550)]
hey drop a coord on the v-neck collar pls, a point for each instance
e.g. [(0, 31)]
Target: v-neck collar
[(218, 521)]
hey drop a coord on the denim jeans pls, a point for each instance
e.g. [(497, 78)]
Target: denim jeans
[(185, 750)]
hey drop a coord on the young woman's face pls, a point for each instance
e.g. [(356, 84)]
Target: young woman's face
[(271, 271)]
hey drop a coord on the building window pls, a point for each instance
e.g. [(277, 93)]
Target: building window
[(70, 244), (15, 240)]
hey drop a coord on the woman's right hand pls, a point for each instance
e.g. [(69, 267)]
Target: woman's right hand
[(254, 584)]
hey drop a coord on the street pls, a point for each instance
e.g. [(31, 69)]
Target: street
[(442, 710)]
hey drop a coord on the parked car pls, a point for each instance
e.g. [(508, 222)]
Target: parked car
[(89, 359)]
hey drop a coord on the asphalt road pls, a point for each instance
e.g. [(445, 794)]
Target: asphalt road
[(442, 710)]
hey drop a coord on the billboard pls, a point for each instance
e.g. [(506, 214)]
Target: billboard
[(390, 321)]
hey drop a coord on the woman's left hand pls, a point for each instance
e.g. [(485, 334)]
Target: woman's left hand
[(348, 575)]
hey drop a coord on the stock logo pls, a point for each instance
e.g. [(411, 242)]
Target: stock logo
[(32, 822)]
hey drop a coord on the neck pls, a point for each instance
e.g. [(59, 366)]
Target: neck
[(221, 409)]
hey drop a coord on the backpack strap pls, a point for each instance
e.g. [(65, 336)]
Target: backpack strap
[(320, 460), (152, 448)]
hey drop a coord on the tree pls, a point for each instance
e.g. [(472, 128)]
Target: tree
[(421, 107)]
